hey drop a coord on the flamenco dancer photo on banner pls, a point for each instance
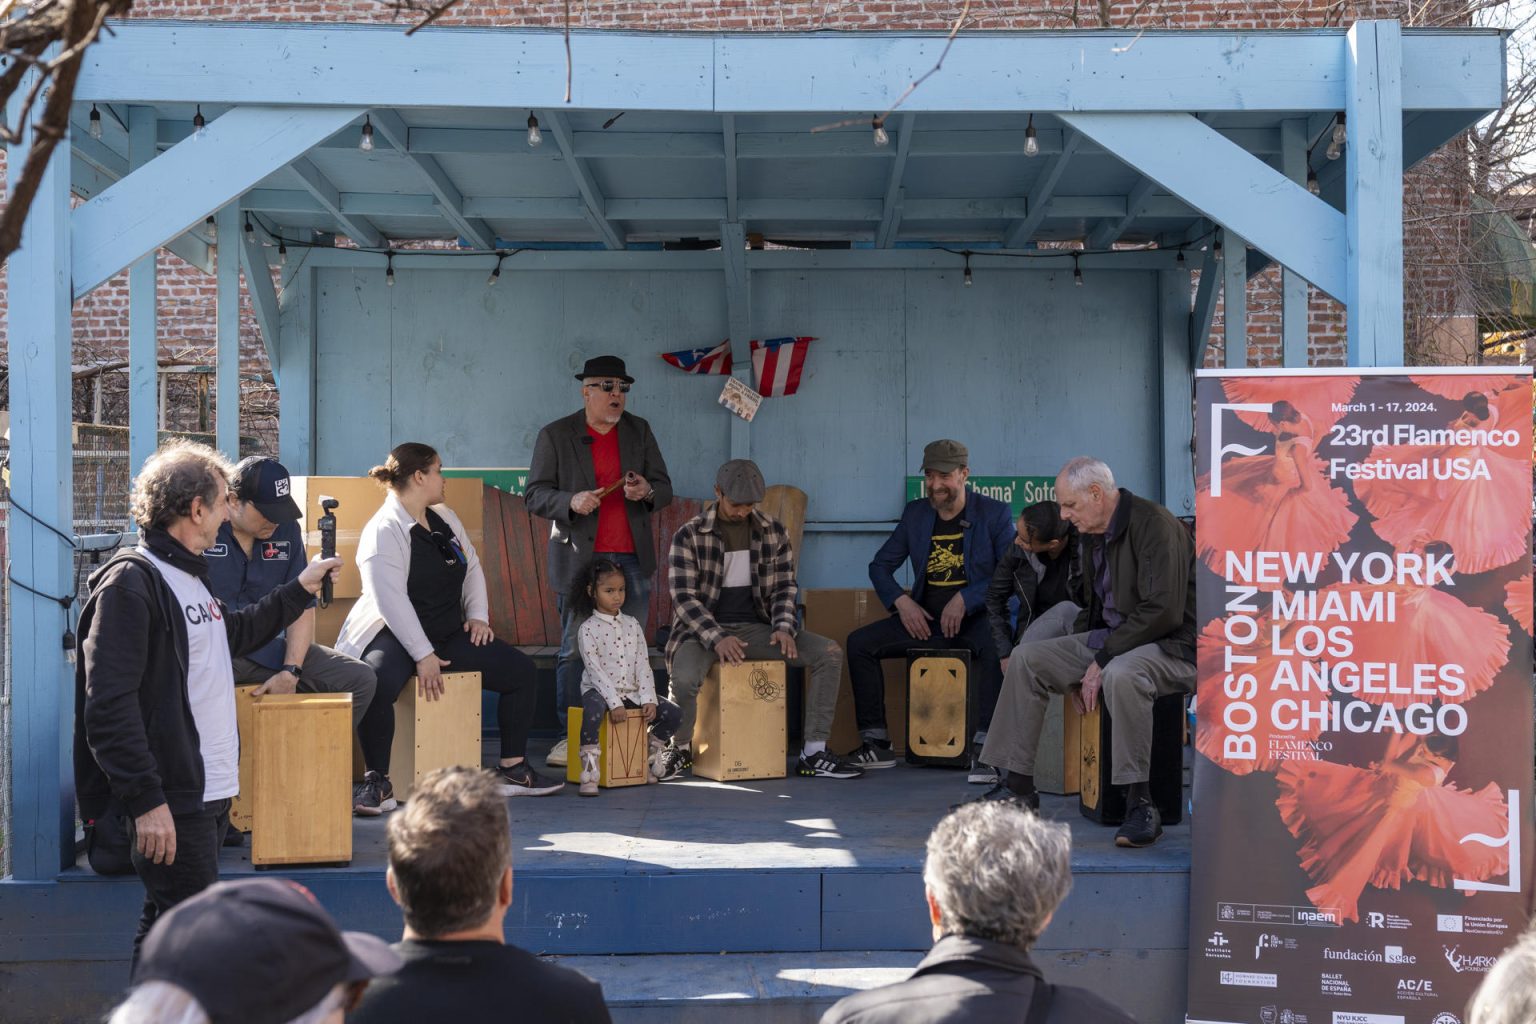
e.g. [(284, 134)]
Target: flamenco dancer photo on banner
[(1363, 777)]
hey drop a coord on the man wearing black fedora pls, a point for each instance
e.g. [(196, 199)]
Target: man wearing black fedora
[(597, 474)]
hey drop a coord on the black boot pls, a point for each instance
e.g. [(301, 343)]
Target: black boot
[(1143, 823)]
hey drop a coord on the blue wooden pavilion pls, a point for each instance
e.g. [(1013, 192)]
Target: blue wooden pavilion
[(1182, 139)]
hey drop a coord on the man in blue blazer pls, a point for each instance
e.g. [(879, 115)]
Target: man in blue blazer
[(953, 540)]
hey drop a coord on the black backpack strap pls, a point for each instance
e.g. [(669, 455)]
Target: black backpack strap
[(1040, 1002)]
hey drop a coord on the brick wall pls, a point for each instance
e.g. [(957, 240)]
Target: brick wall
[(187, 297)]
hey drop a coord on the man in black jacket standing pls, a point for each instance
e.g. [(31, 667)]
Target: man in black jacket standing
[(993, 877), (154, 687), (597, 474)]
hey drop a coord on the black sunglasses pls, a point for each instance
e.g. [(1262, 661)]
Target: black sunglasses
[(448, 547), (610, 386)]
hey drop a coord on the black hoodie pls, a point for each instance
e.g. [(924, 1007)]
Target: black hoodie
[(135, 738)]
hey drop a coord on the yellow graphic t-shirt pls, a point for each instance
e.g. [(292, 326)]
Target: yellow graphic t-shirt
[(946, 565)]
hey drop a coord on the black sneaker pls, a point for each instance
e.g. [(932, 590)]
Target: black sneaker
[(373, 796), (1002, 794), (982, 774), (1143, 824), (870, 755), (672, 763), (827, 765), (521, 780), (234, 838)]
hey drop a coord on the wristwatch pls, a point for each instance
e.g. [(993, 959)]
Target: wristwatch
[(297, 671)]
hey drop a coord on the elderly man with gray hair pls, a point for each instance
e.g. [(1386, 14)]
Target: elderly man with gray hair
[(993, 877), (1134, 640)]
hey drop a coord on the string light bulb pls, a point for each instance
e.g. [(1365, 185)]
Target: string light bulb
[(967, 278), (882, 137), (365, 142), (534, 135), (490, 282), (1216, 250), (1336, 144), (250, 229), (389, 268), (282, 253), (199, 123), (211, 226), (1077, 272), (95, 122), (1312, 183), (1031, 140), (1179, 259)]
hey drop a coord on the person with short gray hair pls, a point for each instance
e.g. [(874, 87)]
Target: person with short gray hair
[(994, 875), (1133, 640), (1508, 993)]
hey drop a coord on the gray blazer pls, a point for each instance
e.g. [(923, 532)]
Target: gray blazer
[(562, 465)]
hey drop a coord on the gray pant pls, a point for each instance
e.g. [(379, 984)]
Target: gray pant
[(324, 671), (821, 657), (1131, 682)]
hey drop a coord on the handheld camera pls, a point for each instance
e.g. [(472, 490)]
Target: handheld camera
[(327, 525)]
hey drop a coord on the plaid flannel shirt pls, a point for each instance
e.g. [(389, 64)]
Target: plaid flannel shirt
[(697, 569)]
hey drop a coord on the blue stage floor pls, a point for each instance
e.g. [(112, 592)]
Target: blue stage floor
[(808, 870)]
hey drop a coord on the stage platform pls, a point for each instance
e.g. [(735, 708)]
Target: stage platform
[(772, 899)]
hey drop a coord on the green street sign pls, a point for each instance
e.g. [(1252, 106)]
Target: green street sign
[(513, 480), (1015, 491)]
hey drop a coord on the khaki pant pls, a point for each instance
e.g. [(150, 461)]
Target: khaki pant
[(1131, 682), (821, 658), (324, 671)]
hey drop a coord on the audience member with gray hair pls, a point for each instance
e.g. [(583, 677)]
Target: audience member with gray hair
[(1134, 640), (1508, 994), (994, 876)]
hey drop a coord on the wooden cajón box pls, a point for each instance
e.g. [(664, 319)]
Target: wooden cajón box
[(1102, 801), (940, 716), (441, 733), (295, 792), (623, 750), (740, 729), (1059, 758)]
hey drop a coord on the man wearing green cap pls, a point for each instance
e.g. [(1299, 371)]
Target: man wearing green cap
[(953, 539), (732, 574)]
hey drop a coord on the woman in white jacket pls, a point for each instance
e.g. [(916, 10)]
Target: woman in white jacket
[(424, 607)]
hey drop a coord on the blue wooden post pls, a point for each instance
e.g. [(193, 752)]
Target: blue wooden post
[(296, 373), (41, 840), (143, 315), (1293, 287), (228, 393), (738, 308), (1373, 173), (1176, 395), (1234, 300)]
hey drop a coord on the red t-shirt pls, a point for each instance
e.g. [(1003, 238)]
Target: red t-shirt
[(612, 519)]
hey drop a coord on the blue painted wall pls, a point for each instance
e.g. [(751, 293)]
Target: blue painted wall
[(1023, 367)]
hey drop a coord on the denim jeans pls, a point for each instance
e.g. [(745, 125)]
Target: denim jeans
[(568, 667)]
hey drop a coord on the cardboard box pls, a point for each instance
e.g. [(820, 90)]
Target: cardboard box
[(739, 732), (834, 613), (328, 620), (939, 714), (623, 750), (360, 498), (431, 734), (301, 798)]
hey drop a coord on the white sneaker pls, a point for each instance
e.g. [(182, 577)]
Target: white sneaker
[(557, 755), (589, 771)]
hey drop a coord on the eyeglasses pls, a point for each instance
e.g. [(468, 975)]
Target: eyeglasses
[(448, 547), (610, 386)]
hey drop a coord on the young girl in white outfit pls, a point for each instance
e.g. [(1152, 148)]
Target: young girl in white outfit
[(617, 680)]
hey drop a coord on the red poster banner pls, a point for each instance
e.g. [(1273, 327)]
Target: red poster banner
[(1362, 835)]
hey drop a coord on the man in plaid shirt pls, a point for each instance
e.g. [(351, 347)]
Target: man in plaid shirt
[(732, 576)]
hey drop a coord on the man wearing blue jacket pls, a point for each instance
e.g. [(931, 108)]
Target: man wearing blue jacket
[(953, 540)]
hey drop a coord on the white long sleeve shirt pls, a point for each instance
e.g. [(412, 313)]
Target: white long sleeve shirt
[(617, 663)]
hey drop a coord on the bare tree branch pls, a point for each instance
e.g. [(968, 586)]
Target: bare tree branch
[(948, 42)]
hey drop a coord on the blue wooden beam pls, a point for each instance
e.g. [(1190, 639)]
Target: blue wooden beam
[(1040, 193), (296, 357), (1175, 393), (450, 201), (183, 185), (728, 152), (586, 184), (1234, 300), (40, 839), (1231, 187), (1204, 312), (1293, 287), (316, 184), (1108, 231), (738, 314), (143, 317), (890, 215), (227, 320), (108, 166), (258, 285), (1374, 156), (356, 65)]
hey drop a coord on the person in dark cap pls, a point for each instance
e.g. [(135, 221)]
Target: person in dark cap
[(258, 550), (953, 539), (255, 951), (597, 475), (732, 574)]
